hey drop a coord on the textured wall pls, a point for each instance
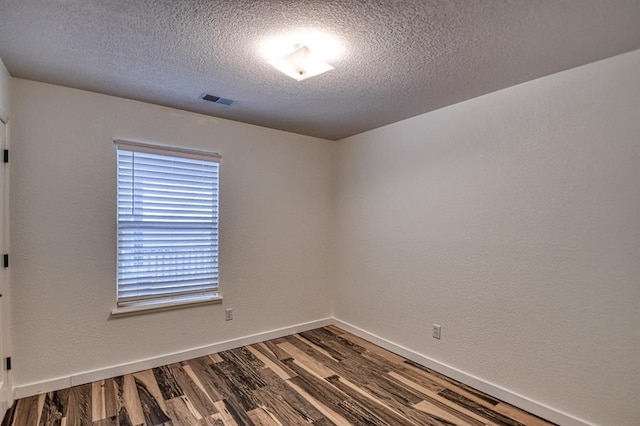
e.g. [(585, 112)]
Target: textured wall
[(513, 221), (275, 204), (510, 219)]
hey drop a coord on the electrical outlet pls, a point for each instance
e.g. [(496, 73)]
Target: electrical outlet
[(228, 314), (437, 330)]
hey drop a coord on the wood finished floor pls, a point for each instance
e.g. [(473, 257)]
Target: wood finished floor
[(321, 377)]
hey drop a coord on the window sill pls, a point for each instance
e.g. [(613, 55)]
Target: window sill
[(165, 305)]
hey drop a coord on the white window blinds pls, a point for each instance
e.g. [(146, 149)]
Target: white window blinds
[(167, 223)]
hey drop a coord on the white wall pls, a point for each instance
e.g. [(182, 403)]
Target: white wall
[(275, 205), (513, 220), (510, 219), (5, 89)]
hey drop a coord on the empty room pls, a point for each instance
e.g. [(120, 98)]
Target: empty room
[(416, 212)]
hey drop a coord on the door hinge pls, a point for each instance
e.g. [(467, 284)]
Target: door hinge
[(8, 363), (5, 155), (5, 260)]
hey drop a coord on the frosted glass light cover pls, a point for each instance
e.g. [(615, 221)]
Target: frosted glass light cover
[(301, 64)]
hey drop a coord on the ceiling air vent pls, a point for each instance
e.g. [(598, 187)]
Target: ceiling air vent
[(217, 99)]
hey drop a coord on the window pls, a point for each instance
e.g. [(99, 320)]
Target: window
[(167, 226)]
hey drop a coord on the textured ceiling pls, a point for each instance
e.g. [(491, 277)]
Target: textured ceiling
[(398, 59)]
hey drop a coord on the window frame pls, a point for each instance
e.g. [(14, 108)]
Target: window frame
[(169, 300)]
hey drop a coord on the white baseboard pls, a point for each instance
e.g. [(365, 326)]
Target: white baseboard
[(50, 385), (496, 391)]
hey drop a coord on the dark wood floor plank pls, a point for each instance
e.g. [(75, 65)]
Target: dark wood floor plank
[(364, 369), (110, 399), (262, 417), (463, 395), (442, 404), (408, 411), (360, 413), (214, 420), (153, 408), (237, 399), (432, 381), (479, 409), (521, 416), (445, 416), (335, 329), (390, 392), (271, 360), (316, 348), (286, 404), (326, 366), (229, 410), (54, 408), (246, 362), (330, 414), (313, 362), (27, 411), (320, 377), (237, 412), (129, 409), (341, 340), (10, 415), (402, 394), (332, 397), (400, 398), (98, 405), (196, 396), (180, 411), (121, 414), (224, 415), (451, 383), (333, 343), (79, 411), (381, 411), (167, 383), (279, 340), (272, 346), (240, 373), (106, 422), (323, 422), (421, 379), (242, 364), (374, 351), (243, 370), (201, 368), (275, 406), (315, 339), (215, 358), (237, 390)]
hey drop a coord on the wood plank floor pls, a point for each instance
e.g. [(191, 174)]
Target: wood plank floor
[(322, 377)]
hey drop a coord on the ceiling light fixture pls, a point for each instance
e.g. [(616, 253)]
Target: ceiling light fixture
[(301, 64)]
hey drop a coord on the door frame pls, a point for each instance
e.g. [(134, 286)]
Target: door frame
[(6, 390)]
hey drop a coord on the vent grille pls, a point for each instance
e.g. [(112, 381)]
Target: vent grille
[(217, 99)]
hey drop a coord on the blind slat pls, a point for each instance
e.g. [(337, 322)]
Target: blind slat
[(130, 300), (172, 277)]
